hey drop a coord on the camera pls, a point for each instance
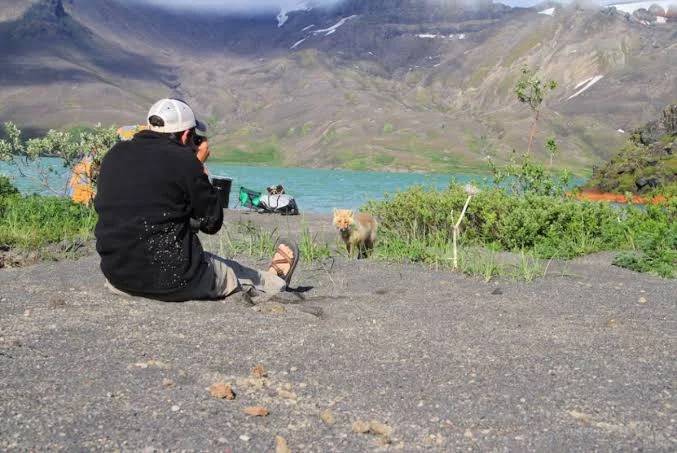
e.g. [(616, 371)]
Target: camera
[(198, 139), (195, 141)]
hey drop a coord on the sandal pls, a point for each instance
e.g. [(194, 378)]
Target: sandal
[(285, 259)]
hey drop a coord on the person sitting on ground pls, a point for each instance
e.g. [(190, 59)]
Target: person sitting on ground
[(153, 196)]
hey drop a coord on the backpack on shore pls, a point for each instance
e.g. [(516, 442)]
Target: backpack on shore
[(274, 201)]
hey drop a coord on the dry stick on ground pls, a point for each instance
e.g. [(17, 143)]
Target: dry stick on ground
[(456, 229), (470, 190)]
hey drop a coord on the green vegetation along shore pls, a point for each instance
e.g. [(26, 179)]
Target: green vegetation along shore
[(527, 211), (540, 222)]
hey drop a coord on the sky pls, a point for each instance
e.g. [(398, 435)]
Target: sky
[(267, 5)]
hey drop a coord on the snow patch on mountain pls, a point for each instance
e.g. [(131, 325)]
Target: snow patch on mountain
[(333, 28), (433, 36), (326, 31), (296, 44), (587, 83), (283, 15), (548, 12), (580, 84)]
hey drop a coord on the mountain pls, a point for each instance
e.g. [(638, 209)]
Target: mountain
[(56, 71), (381, 84)]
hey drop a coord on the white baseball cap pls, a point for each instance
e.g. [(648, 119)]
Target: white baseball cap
[(177, 116)]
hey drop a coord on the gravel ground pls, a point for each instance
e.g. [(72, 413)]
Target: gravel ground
[(427, 359)]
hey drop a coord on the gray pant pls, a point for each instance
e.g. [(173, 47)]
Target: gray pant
[(221, 279)]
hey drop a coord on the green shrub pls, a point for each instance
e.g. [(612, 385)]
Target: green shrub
[(626, 183), (662, 265), (524, 176), (671, 164), (559, 227), (653, 235), (548, 226), (6, 187), (667, 139), (417, 225), (418, 214), (33, 221)]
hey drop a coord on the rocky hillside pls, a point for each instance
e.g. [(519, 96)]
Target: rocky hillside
[(648, 160), (392, 85), (58, 72)]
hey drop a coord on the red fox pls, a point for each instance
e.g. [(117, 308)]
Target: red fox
[(357, 231)]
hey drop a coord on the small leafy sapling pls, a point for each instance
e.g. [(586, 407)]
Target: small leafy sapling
[(552, 147), (531, 90)]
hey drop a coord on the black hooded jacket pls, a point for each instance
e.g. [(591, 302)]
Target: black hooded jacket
[(148, 190)]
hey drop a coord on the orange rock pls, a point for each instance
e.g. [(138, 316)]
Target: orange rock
[(281, 445), (259, 372), (221, 390), (377, 427), (287, 395), (327, 416), (360, 426), (256, 411)]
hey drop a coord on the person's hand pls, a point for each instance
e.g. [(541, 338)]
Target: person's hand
[(202, 152)]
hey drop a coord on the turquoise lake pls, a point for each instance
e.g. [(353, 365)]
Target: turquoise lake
[(315, 190)]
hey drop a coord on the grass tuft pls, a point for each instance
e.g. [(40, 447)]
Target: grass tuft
[(31, 222)]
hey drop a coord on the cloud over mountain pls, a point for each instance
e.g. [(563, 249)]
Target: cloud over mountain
[(259, 6), (234, 5)]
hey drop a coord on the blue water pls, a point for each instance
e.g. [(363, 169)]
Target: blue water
[(315, 190), (46, 177), (321, 190)]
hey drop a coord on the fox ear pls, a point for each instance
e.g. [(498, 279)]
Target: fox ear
[(335, 211), (350, 213)]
